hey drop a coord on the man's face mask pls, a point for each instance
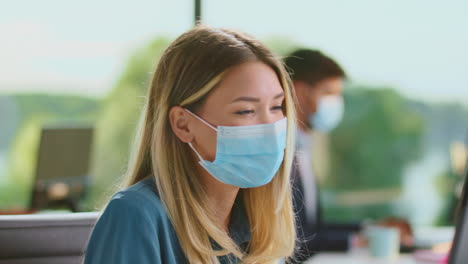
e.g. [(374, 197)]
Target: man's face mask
[(330, 110)]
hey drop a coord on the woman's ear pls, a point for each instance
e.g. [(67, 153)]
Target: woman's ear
[(180, 123)]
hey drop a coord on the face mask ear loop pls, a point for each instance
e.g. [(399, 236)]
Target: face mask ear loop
[(199, 118), (196, 152)]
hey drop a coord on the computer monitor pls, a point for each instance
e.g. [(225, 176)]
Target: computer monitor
[(459, 251), (63, 166)]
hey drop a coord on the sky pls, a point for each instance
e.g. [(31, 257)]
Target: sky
[(81, 47)]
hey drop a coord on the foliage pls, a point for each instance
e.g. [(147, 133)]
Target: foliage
[(378, 137), (118, 120)]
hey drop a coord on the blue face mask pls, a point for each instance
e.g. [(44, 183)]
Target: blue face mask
[(329, 113), (246, 156)]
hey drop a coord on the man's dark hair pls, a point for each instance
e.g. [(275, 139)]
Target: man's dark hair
[(312, 66)]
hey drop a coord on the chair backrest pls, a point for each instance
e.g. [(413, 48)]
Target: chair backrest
[(45, 238)]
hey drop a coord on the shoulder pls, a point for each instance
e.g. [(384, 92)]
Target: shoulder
[(133, 228), (140, 199), (140, 194)]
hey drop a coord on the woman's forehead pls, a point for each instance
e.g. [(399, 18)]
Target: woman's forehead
[(253, 79)]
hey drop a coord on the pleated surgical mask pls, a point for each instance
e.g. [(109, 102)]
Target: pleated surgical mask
[(246, 156), (330, 110)]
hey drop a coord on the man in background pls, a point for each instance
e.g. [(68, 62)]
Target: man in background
[(318, 83)]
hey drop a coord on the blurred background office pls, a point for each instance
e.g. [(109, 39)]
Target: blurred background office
[(400, 150)]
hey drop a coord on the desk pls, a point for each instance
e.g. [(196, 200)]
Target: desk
[(360, 258), (427, 235)]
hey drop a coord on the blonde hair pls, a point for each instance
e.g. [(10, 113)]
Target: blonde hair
[(188, 70)]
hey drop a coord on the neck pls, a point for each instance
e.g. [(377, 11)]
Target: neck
[(221, 197)]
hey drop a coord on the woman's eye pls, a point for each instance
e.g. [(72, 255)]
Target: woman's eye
[(245, 112), (278, 107)]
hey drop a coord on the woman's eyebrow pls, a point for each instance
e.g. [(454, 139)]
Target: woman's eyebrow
[(246, 98), (279, 95), (254, 99)]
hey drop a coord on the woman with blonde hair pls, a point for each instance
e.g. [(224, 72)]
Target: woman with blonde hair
[(208, 180)]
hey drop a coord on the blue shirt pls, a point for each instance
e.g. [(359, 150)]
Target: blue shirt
[(135, 228)]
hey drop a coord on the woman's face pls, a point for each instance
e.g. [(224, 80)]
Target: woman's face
[(249, 94)]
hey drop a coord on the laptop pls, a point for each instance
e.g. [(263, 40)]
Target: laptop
[(63, 165), (459, 251)]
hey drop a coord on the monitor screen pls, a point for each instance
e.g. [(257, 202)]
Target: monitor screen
[(64, 152)]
